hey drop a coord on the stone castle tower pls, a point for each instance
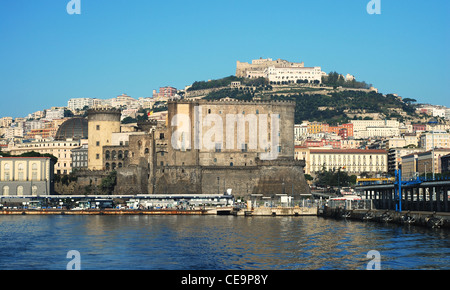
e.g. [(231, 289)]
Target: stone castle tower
[(204, 147), (102, 122)]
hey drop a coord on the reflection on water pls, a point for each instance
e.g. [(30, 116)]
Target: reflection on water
[(216, 243)]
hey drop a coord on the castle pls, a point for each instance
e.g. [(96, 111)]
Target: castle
[(203, 146), (279, 71)]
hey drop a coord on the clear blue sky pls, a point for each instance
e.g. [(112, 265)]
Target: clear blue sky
[(48, 56)]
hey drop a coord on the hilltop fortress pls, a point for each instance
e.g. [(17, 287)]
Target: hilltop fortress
[(203, 147), (278, 71)]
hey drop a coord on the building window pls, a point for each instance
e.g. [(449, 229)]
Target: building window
[(97, 143), (98, 127), (218, 147), (20, 190), (21, 173), (5, 190), (97, 156)]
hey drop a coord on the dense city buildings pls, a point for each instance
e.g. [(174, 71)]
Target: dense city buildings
[(176, 141)]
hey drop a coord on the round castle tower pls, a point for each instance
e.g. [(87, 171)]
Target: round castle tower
[(102, 122)]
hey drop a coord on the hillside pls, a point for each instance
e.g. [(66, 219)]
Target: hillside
[(331, 104)]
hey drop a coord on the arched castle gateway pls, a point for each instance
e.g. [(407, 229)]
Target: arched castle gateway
[(204, 147)]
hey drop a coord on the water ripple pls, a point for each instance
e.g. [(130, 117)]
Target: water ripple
[(215, 242)]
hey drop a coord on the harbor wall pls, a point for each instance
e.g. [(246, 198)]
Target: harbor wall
[(419, 218)]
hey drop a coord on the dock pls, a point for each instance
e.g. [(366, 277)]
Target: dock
[(259, 211), (101, 212), (419, 218), (279, 211)]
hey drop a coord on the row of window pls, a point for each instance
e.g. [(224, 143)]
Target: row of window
[(50, 145), (113, 165), (19, 190), (116, 155), (21, 173)]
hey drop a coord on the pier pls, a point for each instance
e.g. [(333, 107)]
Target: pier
[(420, 201), (409, 195), (418, 218)]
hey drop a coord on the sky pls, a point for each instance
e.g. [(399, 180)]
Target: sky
[(48, 56)]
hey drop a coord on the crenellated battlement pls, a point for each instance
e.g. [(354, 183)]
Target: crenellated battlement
[(104, 110)]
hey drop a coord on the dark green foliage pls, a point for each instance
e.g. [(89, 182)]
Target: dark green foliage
[(371, 102), (109, 182), (335, 178), (201, 85), (337, 80)]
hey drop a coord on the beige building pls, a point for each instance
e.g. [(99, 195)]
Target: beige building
[(353, 161), (396, 155), (436, 139), (409, 166), (26, 176), (293, 74), (375, 128), (258, 66), (417, 164), (60, 149), (6, 121), (351, 143)]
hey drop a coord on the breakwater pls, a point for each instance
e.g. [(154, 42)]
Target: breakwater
[(419, 218)]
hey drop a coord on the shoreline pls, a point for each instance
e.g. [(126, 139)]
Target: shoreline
[(261, 211)]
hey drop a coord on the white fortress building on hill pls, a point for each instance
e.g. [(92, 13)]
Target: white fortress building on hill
[(278, 70)]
